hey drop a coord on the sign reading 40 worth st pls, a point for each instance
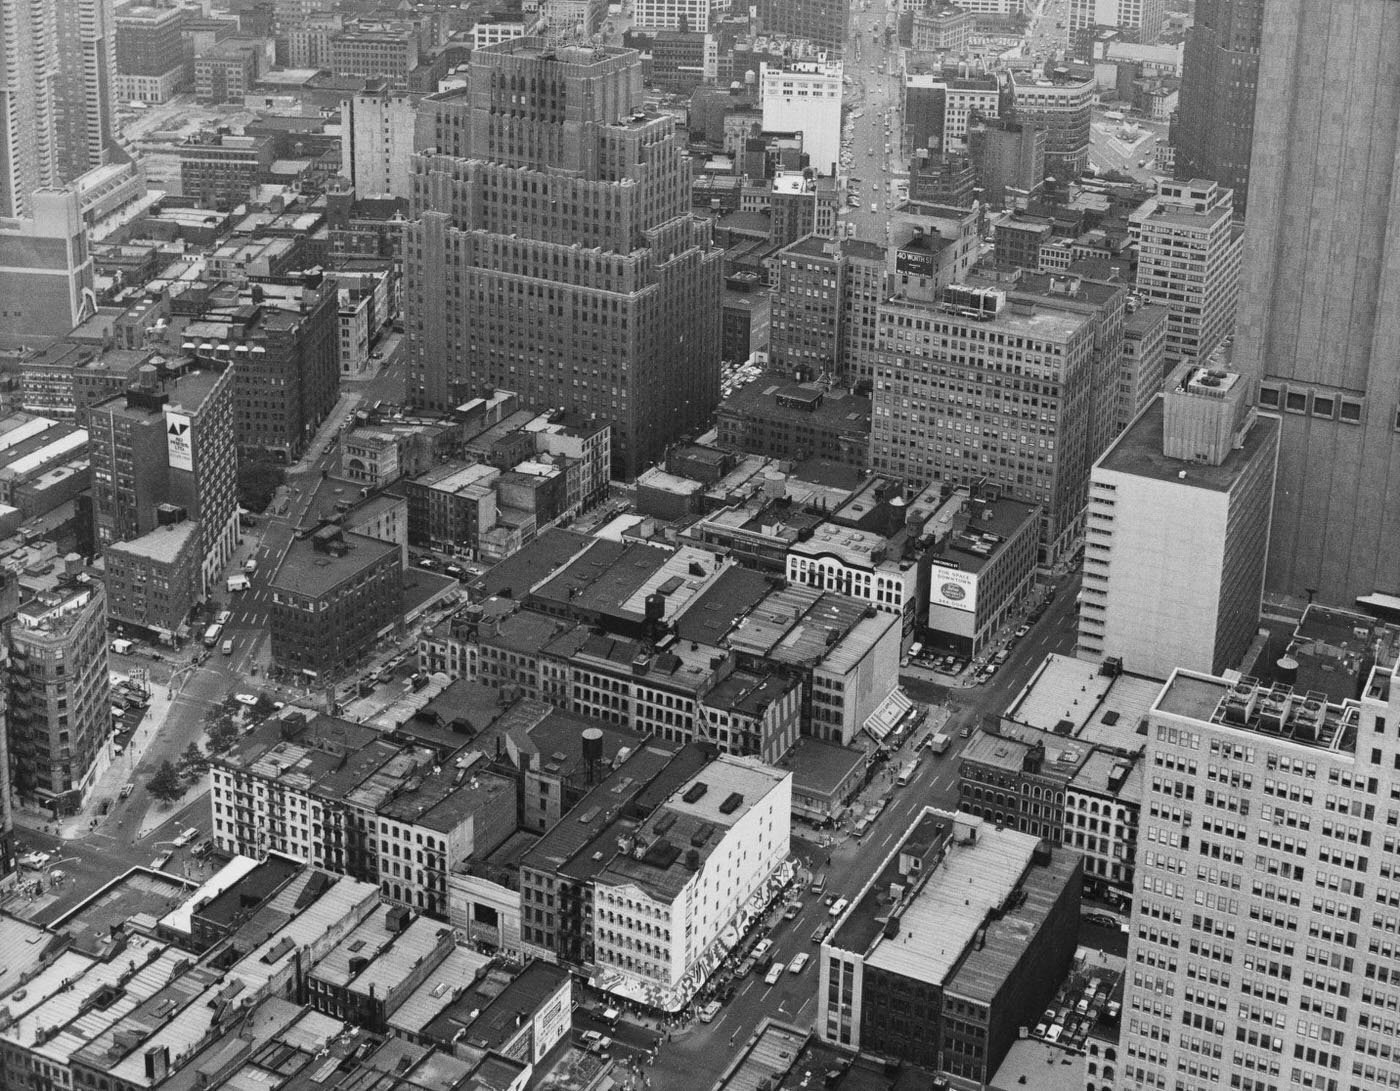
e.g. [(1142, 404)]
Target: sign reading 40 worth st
[(953, 588)]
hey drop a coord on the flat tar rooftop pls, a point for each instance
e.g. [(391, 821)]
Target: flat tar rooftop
[(1138, 451)]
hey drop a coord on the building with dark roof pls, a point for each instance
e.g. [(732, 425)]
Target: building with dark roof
[(524, 1020), (779, 418), (217, 171), (216, 917), (282, 344), (399, 814), (982, 566), (333, 596)]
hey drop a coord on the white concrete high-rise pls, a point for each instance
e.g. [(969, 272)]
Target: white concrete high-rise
[(1196, 457)]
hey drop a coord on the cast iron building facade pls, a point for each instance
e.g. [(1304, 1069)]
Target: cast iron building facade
[(1214, 123), (1319, 317), (555, 254)]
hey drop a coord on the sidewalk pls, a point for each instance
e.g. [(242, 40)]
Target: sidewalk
[(346, 404), (120, 769)]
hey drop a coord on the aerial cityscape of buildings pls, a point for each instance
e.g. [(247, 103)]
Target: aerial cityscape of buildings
[(556, 543)]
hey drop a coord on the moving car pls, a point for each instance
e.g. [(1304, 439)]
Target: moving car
[(775, 973), (838, 907), (820, 932), (127, 789), (160, 861), (790, 913), (798, 963), (709, 1011), (35, 859)]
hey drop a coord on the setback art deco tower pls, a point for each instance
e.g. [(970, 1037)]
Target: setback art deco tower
[(551, 249)]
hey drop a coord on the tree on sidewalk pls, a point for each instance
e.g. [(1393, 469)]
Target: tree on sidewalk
[(166, 785), (192, 755)]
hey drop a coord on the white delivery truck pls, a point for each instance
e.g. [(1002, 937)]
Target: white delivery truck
[(237, 583)]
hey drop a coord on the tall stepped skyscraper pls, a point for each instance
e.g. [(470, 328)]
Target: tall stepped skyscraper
[(1214, 122), (552, 251), (1319, 313)]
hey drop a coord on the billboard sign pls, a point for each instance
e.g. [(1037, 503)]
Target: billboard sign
[(953, 588), (178, 442)]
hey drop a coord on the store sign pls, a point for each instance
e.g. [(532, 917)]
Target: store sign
[(953, 588), (178, 442)]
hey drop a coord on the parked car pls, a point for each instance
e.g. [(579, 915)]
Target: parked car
[(746, 967), (186, 837), (790, 913), (820, 932), (709, 1011), (35, 859), (160, 861), (1022, 631), (762, 948), (838, 907)]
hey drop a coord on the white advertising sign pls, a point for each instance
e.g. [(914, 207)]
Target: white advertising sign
[(178, 442), (953, 588)]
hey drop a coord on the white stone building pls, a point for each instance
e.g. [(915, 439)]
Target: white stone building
[(664, 909), (805, 96)]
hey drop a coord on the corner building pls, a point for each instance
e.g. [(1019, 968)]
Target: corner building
[(552, 250), (1265, 933)]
